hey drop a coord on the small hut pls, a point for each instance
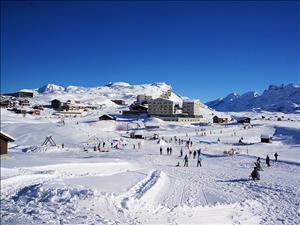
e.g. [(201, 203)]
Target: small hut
[(137, 135), (56, 104), (217, 119), (119, 101), (4, 139), (243, 119), (265, 138), (107, 117)]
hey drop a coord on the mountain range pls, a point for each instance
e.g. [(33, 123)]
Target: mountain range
[(283, 98)]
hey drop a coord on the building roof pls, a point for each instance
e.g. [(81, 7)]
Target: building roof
[(26, 90), (163, 99), (240, 117), (56, 100), (266, 136), (191, 100), (6, 136), (107, 115)]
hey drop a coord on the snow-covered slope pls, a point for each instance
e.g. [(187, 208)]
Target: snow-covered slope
[(284, 98)]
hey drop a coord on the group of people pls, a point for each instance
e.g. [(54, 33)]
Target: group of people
[(199, 158), (169, 150), (258, 167), (139, 144)]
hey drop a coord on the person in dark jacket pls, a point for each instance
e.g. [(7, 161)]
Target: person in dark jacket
[(268, 161), (194, 154), (258, 164), (186, 161), (255, 174), (160, 150), (276, 156), (170, 150), (199, 151), (181, 152), (199, 159)]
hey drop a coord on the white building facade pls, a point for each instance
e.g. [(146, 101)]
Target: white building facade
[(191, 107), (161, 106)]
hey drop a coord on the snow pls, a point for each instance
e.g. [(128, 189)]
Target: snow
[(284, 98), (77, 185), (51, 88)]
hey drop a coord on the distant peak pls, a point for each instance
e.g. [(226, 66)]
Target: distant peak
[(51, 88), (250, 94), (118, 84)]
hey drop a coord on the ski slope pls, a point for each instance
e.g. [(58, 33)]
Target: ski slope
[(139, 186), (131, 185)]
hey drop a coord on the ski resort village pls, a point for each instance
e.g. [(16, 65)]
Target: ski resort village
[(142, 154)]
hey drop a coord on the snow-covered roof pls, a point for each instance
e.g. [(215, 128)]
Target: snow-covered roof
[(266, 136), (26, 90), (6, 136), (191, 100), (138, 133), (110, 116)]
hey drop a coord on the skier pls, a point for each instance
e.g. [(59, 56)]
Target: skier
[(103, 144), (258, 160), (199, 151), (160, 150), (194, 154), (268, 161), (181, 152), (199, 159), (170, 149), (258, 165), (276, 156), (255, 174), (186, 161)]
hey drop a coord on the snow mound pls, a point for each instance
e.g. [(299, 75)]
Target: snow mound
[(51, 88), (53, 202)]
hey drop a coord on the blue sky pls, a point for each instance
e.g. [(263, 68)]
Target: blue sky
[(203, 49)]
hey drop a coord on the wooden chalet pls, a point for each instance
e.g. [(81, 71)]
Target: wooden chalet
[(4, 139)]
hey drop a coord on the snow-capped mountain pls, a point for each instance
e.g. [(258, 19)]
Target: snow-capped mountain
[(111, 91), (284, 98), (51, 88)]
